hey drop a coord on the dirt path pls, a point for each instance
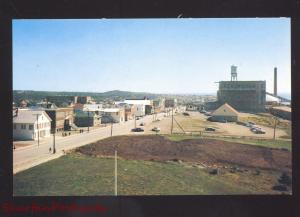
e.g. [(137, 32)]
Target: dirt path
[(207, 151)]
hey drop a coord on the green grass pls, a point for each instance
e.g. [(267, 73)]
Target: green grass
[(270, 143), (76, 174)]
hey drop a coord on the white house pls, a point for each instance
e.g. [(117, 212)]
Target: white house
[(117, 115), (92, 107), (140, 105), (29, 124)]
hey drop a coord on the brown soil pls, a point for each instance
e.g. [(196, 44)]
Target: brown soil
[(207, 151)]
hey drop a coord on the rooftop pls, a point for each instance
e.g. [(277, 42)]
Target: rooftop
[(28, 116)]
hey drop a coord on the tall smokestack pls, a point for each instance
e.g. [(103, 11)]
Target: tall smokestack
[(275, 81)]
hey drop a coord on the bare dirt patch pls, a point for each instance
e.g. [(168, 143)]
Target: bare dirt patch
[(206, 151)]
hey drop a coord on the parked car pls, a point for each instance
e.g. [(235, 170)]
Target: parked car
[(203, 111), (137, 118), (138, 129), (241, 123), (210, 129), (186, 114), (142, 124), (156, 129), (250, 124), (260, 131)]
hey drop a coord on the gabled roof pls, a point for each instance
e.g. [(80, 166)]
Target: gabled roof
[(225, 109), (28, 116)]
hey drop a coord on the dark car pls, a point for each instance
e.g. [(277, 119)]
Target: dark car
[(138, 129), (142, 124), (210, 129), (186, 114)]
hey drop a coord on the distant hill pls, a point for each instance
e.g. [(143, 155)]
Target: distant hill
[(37, 96)]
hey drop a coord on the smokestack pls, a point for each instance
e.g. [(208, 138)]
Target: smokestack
[(275, 81)]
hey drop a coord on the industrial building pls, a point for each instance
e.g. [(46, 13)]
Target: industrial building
[(248, 96)]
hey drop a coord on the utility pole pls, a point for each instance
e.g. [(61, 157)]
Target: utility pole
[(275, 125), (172, 122), (111, 128), (88, 120), (116, 174), (54, 150)]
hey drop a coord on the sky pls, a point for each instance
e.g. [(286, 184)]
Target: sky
[(153, 55)]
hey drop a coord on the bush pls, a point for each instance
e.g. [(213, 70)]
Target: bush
[(214, 172), (257, 172)]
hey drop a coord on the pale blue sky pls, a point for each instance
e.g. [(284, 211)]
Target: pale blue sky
[(153, 55)]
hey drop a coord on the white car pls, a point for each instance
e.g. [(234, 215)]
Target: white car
[(156, 129)]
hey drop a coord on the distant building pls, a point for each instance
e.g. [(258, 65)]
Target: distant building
[(93, 107), (62, 118), (29, 124), (61, 101), (87, 119), (113, 115), (249, 96), (225, 112), (211, 105), (170, 103), (23, 103), (192, 107), (142, 106), (129, 111), (159, 105), (84, 100)]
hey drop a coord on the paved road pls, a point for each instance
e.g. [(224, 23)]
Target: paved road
[(24, 158)]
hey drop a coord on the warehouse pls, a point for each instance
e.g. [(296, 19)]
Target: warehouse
[(225, 112), (247, 96)]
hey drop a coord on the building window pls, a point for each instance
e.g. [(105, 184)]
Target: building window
[(23, 126), (15, 126), (30, 126)]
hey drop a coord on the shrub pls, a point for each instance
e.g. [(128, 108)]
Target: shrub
[(214, 172)]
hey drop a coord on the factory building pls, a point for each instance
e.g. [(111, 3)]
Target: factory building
[(248, 96)]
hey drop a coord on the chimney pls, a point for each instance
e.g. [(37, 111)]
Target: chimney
[(275, 81)]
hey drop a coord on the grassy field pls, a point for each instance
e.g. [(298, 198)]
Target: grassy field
[(76, 174), (270, 143)]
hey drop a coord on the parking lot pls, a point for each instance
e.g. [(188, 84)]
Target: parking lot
[(196, 122)]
